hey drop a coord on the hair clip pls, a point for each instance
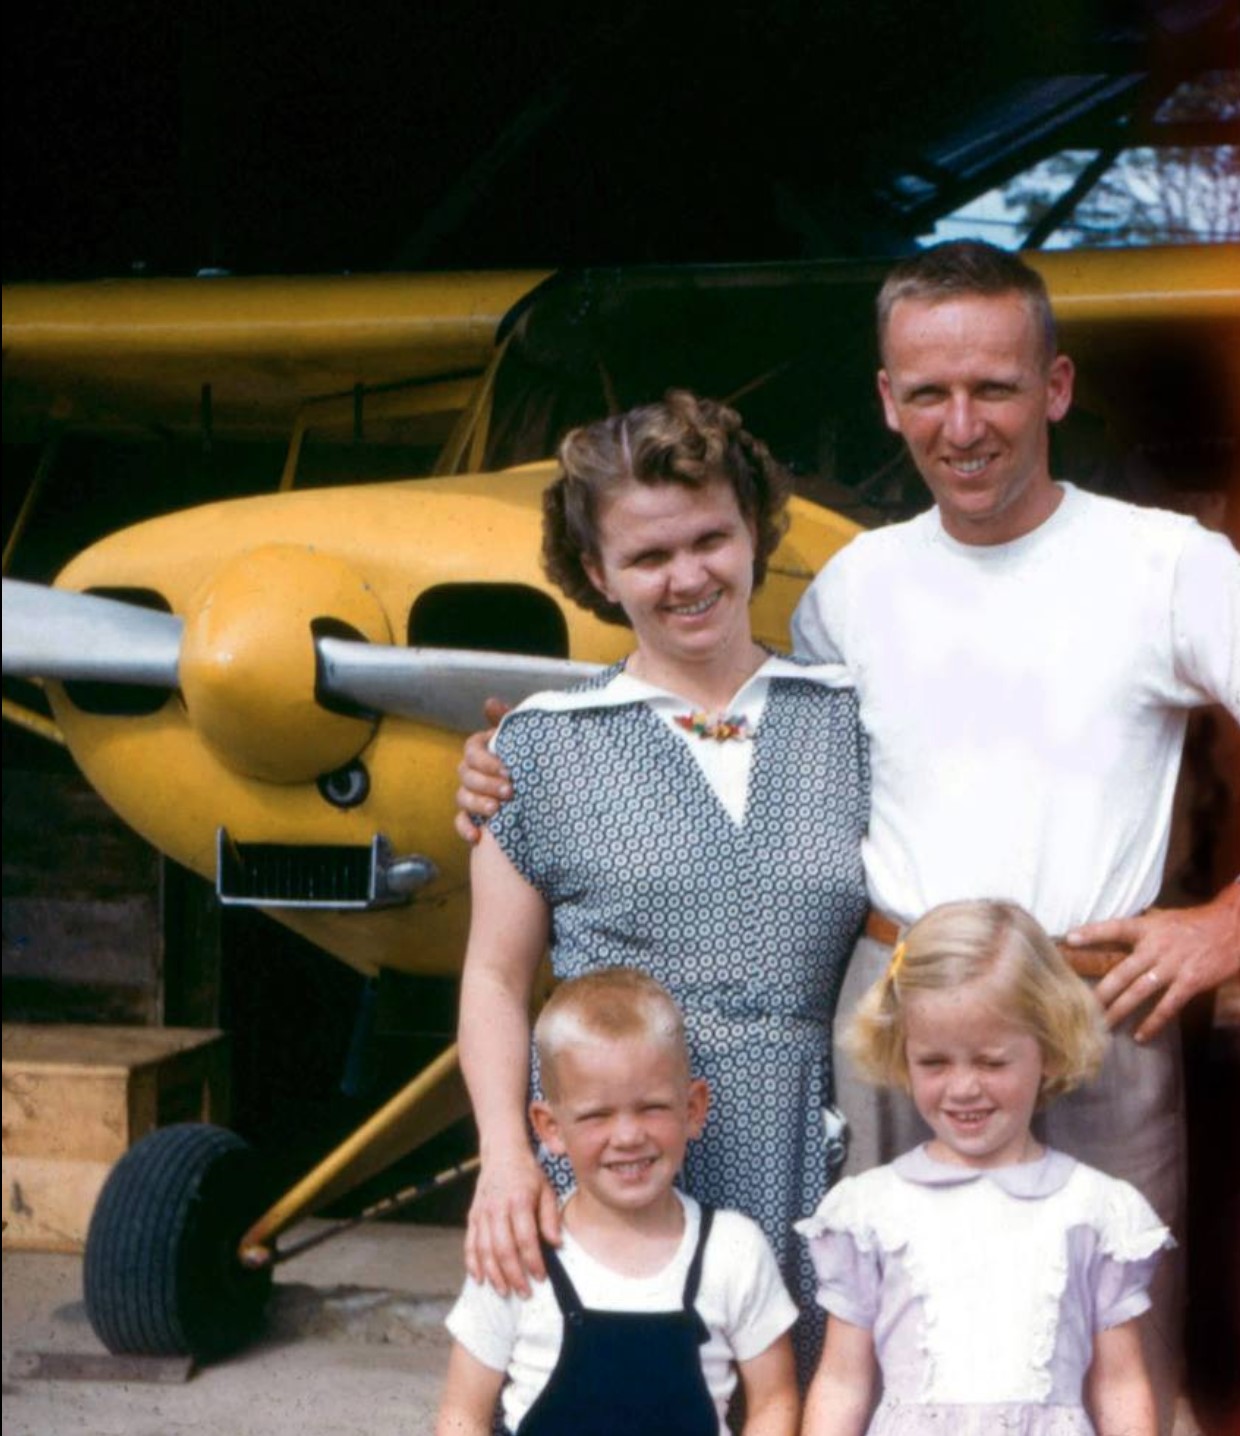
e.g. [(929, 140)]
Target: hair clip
[(897, 960)]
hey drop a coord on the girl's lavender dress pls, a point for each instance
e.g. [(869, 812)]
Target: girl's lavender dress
[(984, 1289)]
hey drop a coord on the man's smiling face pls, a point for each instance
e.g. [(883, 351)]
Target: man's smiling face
[(967, 385)]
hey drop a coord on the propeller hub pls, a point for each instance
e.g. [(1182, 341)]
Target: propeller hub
[(248, 667)]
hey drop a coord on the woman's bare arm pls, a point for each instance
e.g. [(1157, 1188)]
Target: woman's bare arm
[(513, 1200)]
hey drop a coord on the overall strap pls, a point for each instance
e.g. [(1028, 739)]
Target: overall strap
[(565, 1292), (693, 1278)]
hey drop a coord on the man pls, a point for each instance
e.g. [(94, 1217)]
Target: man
[(1025, 656)]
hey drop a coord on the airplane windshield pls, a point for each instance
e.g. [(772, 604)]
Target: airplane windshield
[(793, 347)]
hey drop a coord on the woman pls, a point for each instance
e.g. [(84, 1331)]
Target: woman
[(658, 820)]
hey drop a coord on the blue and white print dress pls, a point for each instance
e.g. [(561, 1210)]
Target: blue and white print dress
[(749, 924)]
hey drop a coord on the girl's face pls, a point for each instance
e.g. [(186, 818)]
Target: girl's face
[(679, 561), (974, 1074)]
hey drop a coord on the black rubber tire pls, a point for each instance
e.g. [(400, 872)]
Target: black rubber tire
[(161, 1272)]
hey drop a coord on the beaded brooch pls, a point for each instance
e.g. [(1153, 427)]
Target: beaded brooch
[(719, 727)]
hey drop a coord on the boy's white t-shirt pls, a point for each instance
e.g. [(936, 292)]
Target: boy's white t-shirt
[(742, 1299)]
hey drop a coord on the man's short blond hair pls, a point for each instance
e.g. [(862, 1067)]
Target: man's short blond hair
[(612, 1003), (967, 269)]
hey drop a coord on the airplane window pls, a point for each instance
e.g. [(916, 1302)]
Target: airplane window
[(121, 700), (495, 617)]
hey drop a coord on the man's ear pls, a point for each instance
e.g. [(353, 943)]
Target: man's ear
[(890, 413), (546, 1128), (1060, 379), (698, 1106)]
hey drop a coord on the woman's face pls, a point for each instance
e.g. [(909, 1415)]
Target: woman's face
[(679, 561)]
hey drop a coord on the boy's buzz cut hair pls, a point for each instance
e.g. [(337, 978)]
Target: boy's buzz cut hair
[(612, 1003)]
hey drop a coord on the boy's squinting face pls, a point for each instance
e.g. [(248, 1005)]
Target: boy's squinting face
[(624, 1112), (974, 1076)]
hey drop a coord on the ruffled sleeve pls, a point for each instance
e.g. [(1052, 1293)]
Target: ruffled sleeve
[(845, 1251), (1131, 1239)]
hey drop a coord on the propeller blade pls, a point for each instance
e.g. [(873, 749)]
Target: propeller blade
[(443, 686), (54, 633)]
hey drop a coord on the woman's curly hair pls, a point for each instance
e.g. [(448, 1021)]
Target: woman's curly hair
[(683, 440)]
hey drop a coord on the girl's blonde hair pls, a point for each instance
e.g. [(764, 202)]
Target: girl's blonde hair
[(986, 941)]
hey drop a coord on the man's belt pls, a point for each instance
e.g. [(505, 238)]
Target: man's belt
[(1093, 960)]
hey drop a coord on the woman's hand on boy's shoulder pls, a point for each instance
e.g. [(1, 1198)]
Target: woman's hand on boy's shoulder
[(513, 1203)]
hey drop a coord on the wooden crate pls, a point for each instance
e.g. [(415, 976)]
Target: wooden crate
[(77, 1098)]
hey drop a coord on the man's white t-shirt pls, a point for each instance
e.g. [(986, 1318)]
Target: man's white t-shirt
[(1025, 702)]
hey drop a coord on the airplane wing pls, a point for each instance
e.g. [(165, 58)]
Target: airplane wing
[(246, 357)]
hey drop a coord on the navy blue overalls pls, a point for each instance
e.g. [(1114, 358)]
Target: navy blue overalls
[(627, 1373)]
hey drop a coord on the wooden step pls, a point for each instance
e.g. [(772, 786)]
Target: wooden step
[(76, 1098)]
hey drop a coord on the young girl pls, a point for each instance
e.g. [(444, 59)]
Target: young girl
[(984, 1282)]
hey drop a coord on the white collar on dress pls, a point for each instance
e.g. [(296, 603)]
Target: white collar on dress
[(1038, 1178), (616, 688)]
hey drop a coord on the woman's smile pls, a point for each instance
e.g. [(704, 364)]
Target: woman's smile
[(679, 561)]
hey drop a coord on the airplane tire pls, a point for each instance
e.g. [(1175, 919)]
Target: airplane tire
[(161, 1272)]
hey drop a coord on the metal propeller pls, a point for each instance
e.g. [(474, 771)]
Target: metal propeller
[(52, 633), (57, 634)]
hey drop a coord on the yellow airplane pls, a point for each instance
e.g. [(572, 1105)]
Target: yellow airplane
[(270, 690)]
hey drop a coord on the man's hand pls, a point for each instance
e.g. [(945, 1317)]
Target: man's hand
[(484, 779), (513, 1202), (1176, 953)]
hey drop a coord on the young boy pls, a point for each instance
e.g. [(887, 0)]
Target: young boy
[(652, 1304)]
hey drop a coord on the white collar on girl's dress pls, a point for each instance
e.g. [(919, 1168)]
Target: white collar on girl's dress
[(622, 688), (1039, 1178)]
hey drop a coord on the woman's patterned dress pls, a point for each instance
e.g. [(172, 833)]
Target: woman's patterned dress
[(749, 926)]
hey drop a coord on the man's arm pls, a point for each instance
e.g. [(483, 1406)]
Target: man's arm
[(513, 1200), (467, 1407), (817, 617), (1118, 1391), (485, 783), (772, 1405), (1176, 952)]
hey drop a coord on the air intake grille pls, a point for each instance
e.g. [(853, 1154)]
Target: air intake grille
[(294, 875)]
